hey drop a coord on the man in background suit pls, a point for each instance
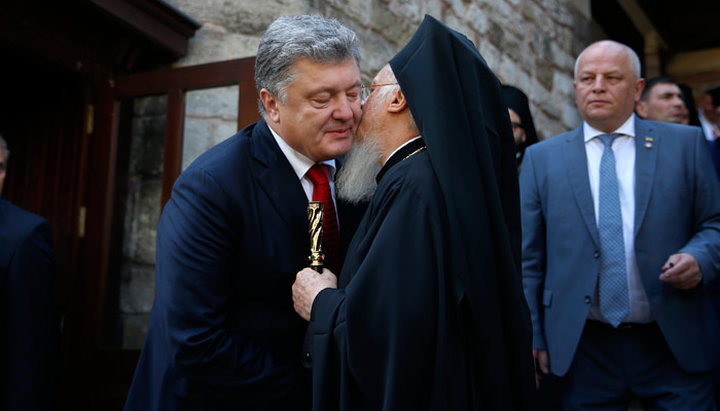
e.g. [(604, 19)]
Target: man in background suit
[(223, 334), (28, 315), (662, 100), (621, 249)]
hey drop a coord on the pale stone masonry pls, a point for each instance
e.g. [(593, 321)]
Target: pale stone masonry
[(530, 44)]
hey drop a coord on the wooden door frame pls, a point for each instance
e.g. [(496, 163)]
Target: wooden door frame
[(175, 83)]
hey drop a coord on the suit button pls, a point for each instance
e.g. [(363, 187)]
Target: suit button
[(308, 356), (596, 254), (587, 299)]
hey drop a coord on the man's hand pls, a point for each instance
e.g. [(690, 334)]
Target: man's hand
[(682, 271), (308, 283), (541, 365)]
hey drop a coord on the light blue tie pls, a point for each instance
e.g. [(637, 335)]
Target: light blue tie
[(613, 292)]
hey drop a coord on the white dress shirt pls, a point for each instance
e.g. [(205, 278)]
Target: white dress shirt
[(301, 164), (711, 131), (624, 150)]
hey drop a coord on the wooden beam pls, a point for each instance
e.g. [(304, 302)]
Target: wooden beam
[(641, 21), (225, 73), (167, 27), (174, 125)]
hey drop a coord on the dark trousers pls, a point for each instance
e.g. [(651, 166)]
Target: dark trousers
[(614, 366)]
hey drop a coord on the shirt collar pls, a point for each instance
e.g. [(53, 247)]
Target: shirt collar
[(398, 149), (299, 162), (626, 129)]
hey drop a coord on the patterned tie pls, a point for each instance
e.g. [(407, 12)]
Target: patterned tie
[(613, 292), (318, 175)]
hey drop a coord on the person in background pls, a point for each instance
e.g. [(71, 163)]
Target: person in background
[(29, 328), (621, 249), (661, 100), (707, 113), (223, 334), (521, 120), (691, 119)]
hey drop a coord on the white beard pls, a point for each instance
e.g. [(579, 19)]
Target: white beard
[(356, 179)]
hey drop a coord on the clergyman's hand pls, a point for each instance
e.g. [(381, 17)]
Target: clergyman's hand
[(681, 271), (541, 365), (308, 283)]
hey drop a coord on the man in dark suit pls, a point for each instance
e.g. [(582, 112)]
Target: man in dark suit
[(223, 333), (621, 249), (28, 315)]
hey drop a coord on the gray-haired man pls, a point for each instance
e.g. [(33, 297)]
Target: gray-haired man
[(223, 333)]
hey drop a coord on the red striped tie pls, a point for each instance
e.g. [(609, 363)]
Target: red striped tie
[(318, 175)]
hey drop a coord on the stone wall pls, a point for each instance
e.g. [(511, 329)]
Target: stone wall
[(530, 44)]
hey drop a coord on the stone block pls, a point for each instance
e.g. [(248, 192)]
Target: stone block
[(490, 53), (219, 102), (147, 146), (137, 289), (563, 84), (544, 72), (134, 330), (242, 16), (223, 130), (477, 18), (152, 106), (198, 139), (457, 7), (141, 219), (570, 116), (213, 43), (496, 34)]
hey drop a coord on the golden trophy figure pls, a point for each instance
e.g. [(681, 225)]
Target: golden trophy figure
[(315, 228)]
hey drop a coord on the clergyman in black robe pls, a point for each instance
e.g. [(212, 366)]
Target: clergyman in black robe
[(428, 312)]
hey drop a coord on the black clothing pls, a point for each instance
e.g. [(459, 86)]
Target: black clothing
[(430, 313), (518, 102)]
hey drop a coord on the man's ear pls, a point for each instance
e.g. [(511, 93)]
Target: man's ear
[(641, 109), (271, 104), (398, 103)]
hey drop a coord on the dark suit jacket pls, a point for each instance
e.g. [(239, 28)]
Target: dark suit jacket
[(677, 209), (28, 316), (223, 333)]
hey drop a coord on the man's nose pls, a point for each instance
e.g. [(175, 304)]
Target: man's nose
[(598, 84), (343, 110)]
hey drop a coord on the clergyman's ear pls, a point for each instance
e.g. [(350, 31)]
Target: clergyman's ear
[(398, 102), (271, 104)]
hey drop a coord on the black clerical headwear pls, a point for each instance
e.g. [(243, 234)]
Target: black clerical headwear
[(518, 102), (457, 104)]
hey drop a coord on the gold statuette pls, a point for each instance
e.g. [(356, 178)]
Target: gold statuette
[(315, 228)]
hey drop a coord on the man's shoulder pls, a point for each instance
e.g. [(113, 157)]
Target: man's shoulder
[(665, 128), (15, 217), (412, 175), (553, 143), (17, 224), (229, 157), (227, 150)]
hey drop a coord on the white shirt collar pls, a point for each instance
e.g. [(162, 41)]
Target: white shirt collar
[(401, 146), (299, 162), (626, 129)]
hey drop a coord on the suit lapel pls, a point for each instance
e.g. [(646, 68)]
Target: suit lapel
[(576, 161), (645, 162), (276, 177)]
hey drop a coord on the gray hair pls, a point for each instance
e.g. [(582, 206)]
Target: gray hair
[(289, 39), (634, 59), (3, 146)]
